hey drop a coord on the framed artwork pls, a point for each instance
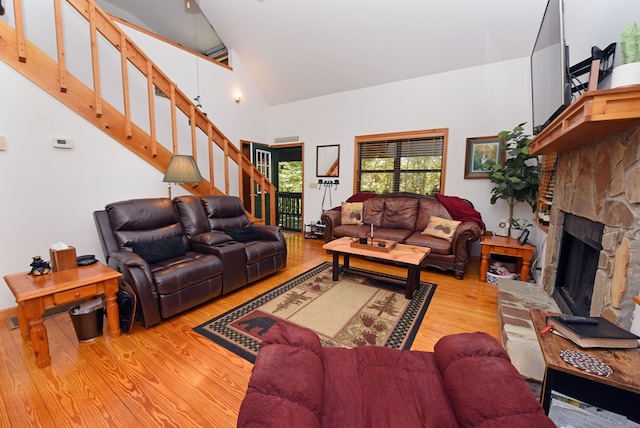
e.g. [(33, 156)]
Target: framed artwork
[(482, 154)]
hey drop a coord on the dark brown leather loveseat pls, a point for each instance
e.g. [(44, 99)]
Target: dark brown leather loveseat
[(402, 217), (172, 258)]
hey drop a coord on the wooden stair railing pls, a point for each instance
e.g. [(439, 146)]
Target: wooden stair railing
[(53, 77)]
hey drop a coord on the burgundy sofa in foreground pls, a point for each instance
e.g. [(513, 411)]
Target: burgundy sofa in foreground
[(467, 381)]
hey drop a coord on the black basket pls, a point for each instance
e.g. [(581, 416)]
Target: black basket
[(87, 326)]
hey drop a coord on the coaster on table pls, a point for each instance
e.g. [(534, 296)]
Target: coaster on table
[(586, 362)]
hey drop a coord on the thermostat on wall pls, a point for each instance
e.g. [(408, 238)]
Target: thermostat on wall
[(62, 143)]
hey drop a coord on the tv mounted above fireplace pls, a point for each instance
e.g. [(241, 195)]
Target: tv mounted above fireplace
[(554, 84), (550, 79)]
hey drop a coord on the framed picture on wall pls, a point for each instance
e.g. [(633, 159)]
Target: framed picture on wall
[(482, 154)]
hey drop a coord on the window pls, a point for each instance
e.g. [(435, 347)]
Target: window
[(263, 163), (402, 162)]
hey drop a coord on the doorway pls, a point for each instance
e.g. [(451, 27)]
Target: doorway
[(283, 166)]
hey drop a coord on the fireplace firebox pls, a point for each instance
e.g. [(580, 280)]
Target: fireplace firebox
[(577, 265)]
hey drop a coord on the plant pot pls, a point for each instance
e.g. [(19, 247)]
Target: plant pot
[(625, 75)]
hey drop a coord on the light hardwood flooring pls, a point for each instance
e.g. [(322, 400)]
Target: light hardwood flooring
[(170, 376)]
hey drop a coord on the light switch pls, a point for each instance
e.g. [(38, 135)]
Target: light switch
[(3, 143), (313, 185)]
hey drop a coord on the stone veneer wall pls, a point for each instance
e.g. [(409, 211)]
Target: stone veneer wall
[(601, 181)]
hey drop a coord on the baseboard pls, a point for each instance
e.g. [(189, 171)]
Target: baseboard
[(9, 313)]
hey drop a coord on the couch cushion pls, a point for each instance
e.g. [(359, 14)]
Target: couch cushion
[(373, 210), (225, 212), (400, 213), (175, 274), (260, 250), (408, 383), (426, 208), (469, 362), (441, 227), (163, 249), (242, 234), (143, 220), (398, 235), (351, 213), (298, 395), (437, 245)]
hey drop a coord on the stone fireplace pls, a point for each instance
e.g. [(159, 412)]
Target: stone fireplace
[(600, 182)]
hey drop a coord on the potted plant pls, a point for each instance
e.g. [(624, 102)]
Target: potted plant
[(629, 72), (518, 179)]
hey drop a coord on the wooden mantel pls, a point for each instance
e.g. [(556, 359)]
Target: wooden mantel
[(594, 115)]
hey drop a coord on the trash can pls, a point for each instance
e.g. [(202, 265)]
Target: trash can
[(88, 325)]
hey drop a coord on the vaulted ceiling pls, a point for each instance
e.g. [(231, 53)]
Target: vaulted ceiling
[(295, 50)]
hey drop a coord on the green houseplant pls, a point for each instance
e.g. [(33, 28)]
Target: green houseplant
[(518, 179), (628, 72), (630, 43)]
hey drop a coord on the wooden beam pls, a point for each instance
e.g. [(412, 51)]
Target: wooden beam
[(21, 42), (62, 68), (95, 61), (125, 84)]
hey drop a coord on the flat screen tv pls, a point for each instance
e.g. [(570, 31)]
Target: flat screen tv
[(550, 82)]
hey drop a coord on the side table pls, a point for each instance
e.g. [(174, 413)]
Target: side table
[(35, 294), (619, 392), (507, 246)]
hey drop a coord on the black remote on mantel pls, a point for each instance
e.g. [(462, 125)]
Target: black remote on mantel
[(574, 319)]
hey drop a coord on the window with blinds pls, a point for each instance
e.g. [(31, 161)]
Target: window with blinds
[(404, 162)]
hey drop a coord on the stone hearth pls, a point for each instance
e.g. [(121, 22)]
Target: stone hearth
[(518, 335), (601, 182)]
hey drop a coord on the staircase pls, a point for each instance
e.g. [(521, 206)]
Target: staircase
[(107, 41)]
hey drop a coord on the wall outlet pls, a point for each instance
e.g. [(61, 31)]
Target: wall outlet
[(3, 143)]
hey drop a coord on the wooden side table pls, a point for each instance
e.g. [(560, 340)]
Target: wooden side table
[(35, 294), (619, 392), (507, 246)]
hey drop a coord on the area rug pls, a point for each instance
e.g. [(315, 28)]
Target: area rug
[(353, 311)]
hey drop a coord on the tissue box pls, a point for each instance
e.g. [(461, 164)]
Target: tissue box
[(63, 259)]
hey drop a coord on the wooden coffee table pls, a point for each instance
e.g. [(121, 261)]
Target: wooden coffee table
[(402, 254), (35, 294)]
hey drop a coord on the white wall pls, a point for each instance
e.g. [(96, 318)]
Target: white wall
[(49, 194), (474, 102)]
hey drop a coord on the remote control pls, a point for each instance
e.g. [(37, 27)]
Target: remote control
[(573, 319)]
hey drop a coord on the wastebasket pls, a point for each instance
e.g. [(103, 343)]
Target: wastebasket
[(88, 325)]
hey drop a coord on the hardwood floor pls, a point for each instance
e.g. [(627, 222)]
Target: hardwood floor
[(170, 376)]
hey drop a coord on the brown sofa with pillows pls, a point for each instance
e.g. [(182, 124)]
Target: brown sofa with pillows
[(178, 254), (446, 224), (467, 381)]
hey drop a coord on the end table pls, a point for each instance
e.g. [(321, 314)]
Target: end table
[(507, 246), (35, 294)]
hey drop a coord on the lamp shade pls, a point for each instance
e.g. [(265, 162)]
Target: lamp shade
[(182, 169)]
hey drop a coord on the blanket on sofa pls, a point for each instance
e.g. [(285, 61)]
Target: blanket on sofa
[(460, 210)]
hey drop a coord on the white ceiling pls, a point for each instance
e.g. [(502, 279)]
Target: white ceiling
[(300, 49)]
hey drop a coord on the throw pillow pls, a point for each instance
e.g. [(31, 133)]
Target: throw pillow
[(441, 227), (352, 213), (243, 234), (156, 251)]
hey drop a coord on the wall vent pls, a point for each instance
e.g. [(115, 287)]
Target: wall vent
[(291, 139)]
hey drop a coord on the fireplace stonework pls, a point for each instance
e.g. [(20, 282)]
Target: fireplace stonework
[(601, 181)]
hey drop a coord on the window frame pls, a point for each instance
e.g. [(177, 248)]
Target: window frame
[(399, 136)]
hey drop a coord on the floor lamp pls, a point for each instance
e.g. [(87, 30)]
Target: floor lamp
[(182, 169)]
